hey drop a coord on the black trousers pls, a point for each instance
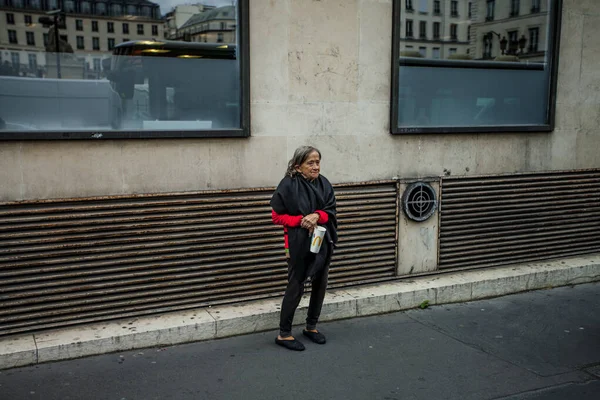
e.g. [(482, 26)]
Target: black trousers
[(293, 295)]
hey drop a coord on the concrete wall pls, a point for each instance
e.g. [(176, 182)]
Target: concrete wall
[(321, 75)]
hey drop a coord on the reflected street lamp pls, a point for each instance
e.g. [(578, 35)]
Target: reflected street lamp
[(522, 43)]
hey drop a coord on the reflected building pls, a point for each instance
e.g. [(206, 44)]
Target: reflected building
[(181, 14), (510, 29), (436, 29), (211, 26), (93, 28)]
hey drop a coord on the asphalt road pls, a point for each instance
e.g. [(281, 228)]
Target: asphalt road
[(537, 345)]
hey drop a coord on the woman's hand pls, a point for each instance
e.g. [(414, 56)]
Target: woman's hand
[(310, 222)]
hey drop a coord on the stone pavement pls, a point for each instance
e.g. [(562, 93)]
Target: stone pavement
[(536, 345), (257, 316)]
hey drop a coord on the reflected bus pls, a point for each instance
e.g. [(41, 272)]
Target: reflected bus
[(173, 85)]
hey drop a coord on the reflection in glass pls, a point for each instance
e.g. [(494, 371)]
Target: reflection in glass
[(186, 77), (464, 74)]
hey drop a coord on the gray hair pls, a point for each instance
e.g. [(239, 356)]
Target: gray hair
[(300, 155)]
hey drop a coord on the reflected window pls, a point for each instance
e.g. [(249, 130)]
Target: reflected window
[(116, 9), (534, 38), (515, 6), (127, 85), (409, 28), (131, 10), (423, 6), (100, 9), (30, 38), (423, 29), (478, 71), (12, 37), (86, 7), (34, 4), (69, 6), (15, 59), (32, 59), (453, 32), (52, 4), (491, 10), (436, 30)]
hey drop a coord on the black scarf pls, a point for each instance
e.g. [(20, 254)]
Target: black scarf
[(298, 196)]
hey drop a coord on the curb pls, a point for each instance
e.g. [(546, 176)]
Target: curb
[(224, 321)]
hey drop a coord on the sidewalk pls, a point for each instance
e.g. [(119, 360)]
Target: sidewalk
[(224, 321)]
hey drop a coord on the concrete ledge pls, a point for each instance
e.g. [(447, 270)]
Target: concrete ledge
[(223, 321)]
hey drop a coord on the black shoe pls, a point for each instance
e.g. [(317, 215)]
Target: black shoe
[(290, 344), (316, 337)]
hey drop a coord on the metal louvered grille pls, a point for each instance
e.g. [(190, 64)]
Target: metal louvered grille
[(72, 261), (496, 220)]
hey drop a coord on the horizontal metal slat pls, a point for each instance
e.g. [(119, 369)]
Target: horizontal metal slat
[(521, 243), (539, 256), (518, 204), (473, 233), (511, 197), (501, 212), (543, 247), (470, 181)]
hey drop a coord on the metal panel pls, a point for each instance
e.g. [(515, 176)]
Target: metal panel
[(79, 260), (495, 220)]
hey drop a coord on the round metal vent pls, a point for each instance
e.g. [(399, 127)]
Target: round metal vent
[(419, 201)]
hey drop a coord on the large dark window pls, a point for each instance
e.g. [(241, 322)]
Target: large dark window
[(30, 38), (409, 28), (163, 87), (485, 75), (515, 6), (490, 10), (12, 37)]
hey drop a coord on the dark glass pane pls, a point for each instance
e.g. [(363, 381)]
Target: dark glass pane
[(112, 78), (482, 63), (457, 97)]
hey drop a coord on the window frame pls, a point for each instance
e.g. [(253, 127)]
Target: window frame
[(243, 50), (555, 19)]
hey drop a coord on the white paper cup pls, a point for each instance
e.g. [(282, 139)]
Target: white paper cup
[(317, 239)]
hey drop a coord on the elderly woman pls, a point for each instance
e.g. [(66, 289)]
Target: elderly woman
[(303, 200)]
